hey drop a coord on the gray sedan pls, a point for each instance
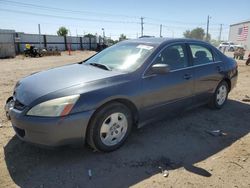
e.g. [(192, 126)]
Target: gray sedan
[(127, 85)]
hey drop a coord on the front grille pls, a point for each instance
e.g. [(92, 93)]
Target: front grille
[(19, 106)]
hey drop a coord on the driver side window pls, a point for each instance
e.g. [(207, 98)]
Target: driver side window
[(174, 56)]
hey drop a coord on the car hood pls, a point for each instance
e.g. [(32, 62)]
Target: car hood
[(39, 84)]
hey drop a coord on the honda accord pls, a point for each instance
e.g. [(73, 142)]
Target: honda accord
[(126, 85)]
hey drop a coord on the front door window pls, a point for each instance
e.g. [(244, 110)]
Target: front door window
[(174, 56)]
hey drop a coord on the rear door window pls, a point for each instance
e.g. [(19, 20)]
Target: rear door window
[(201, 54), (217, 57)]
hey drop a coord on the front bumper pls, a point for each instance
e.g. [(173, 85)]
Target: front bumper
[(50, 131)]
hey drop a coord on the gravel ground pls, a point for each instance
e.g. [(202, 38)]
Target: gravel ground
[(179, 145)]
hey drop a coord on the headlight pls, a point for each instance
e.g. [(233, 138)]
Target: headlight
[(55, 107)]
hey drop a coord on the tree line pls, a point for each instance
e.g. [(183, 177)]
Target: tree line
[(63, 31), (196, 33)]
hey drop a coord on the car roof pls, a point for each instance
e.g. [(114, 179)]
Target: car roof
[(156, 41)]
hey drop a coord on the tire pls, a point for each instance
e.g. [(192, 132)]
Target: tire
[(110, 127), (220, 95), (26, 54), (8, 104), (248, 61)]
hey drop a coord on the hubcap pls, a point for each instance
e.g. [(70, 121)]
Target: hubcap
[(113, 129), (221, 95)]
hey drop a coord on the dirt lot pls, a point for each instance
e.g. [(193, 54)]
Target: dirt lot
[(181, 145)]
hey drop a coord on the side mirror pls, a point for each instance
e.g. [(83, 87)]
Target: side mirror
[(160, 68)]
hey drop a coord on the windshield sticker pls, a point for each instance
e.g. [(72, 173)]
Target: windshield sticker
[(146, 47)]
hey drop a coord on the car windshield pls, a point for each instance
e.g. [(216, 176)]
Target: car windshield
[(125, 57)]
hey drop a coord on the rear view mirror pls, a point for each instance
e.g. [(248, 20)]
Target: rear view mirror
[(160, 68)]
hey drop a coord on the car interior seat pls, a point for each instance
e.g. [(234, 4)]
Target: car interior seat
[(201, 58), (172, 57)]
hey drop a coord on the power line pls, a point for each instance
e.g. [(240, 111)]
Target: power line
[(15, 3), (181, 27), (83, 28), (89, 19), (180, 22), (61, 9), (65, 17), (175, 21), (168, 26)]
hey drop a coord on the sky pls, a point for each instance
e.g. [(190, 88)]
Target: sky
[(116, 17)]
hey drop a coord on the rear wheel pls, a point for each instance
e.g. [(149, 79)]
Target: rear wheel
[(248, 61), (220, 96), (110, 127)]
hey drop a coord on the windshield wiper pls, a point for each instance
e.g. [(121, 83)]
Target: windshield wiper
[(102, 66)]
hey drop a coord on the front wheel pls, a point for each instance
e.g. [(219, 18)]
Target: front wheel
[(110, 127), (220, 95)]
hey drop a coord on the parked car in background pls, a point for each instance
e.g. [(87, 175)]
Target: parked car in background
[(126, 85), (228, 46)]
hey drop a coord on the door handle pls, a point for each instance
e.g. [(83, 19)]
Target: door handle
[(187, 76)]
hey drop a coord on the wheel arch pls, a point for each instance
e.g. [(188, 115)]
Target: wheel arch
[(228, 81), (128, 103)]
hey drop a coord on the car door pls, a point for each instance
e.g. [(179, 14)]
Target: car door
[(166, 94), (208, 71)]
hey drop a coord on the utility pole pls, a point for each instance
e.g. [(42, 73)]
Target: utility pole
[(142, 26), (208, 18), (220, 33), (160, 30), (103, 35), (70, 41), (39, 30)]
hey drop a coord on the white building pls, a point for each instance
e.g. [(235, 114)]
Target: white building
[(239, 34)]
